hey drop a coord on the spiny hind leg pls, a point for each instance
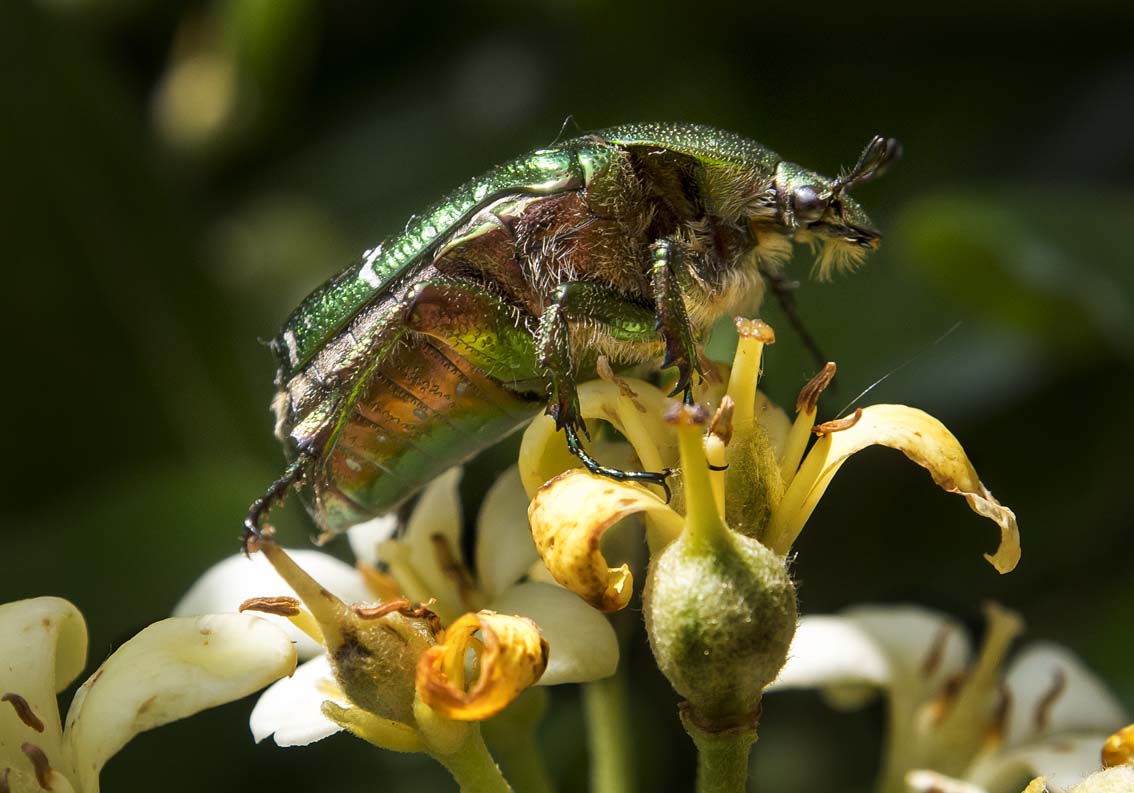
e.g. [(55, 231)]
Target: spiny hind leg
[(612, 316), (255, 522)]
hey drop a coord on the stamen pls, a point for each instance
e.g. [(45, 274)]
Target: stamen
[(4, 788), (1119, 748), (40, 763), (289, 608), (23, 711), (806, 406), (716, 441), (754, 335), (702, 516), (994, 734)]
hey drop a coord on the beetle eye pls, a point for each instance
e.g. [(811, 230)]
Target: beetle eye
[(807, 204)]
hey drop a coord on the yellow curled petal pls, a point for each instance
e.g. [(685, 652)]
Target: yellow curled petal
[(511, 656), (925, 441), (569, 516), (633, 407)]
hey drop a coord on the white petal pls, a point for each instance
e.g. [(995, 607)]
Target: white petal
[(1119, 779), (171, 670), (437, 514), (230, 582), (581, 640), (290, 709), (905, 649), (1053, 692), (923, 780), (1063, 760), (504, 546), (43, 647), (366, 537), (831, 652)]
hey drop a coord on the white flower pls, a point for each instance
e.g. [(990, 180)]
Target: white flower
[(425, 565), (171, 670), (957, 723)]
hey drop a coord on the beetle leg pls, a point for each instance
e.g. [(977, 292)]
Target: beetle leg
[(575, 446), (672, 318), (593, 306), (254, 522)]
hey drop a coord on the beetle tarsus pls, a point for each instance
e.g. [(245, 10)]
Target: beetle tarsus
[(617, 474), (255, 525)]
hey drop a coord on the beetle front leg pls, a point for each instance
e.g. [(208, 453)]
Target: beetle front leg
[(255, 524), (672, 318)]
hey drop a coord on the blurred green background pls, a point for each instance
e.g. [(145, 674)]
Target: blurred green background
[(176, 176)]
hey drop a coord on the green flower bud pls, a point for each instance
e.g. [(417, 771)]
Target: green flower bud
[(720, 607)]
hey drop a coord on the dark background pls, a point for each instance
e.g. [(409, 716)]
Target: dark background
[(176, 176)]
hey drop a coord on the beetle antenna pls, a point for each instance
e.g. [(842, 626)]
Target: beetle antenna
[(875, 160), (899, 368), (569, 120)]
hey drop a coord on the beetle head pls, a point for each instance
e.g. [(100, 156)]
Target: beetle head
[(818, 210)]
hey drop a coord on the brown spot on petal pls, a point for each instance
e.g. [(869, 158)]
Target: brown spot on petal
[(23, 711), (147, 705), (837, 425), (808, 398), (721, 425), (1119, 748), (4, 781), (994, 733), (39, 763), (1047, 702), (755, 328), (452, 568), (280, 606)]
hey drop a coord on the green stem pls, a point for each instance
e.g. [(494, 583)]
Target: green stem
[(605, 706), (473, 767), (512, 741), (722, 757)]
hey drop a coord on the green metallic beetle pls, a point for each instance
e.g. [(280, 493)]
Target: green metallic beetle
[(629, 243)]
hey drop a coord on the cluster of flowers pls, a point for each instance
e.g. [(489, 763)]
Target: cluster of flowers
[(412, 652)]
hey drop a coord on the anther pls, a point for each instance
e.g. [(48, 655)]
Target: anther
[(808, 398), (755, 328), (837, 425), (1050, 697), (1119, 748), (280, 606), (721, 425), (23, 711)]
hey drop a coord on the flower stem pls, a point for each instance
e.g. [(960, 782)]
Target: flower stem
[(722, 757), (512, 741), (473, 767), (608, 734)]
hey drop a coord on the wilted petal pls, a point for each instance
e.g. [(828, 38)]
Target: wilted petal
[(291, 709), (569, 516), (581, 641), (43, 647), (1053, 692), (171, 670), (504, 547), (511, 656), (1064, 761), (919, 436), (230, 582), (417, 560)]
